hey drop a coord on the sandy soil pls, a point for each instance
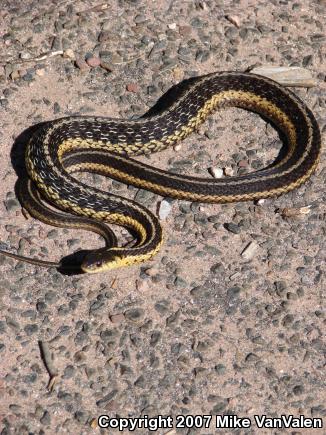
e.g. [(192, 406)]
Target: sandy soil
[(199, 330)]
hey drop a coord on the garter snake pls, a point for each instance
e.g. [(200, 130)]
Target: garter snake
[(65, 146)]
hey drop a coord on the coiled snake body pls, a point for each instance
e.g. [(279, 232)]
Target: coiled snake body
[(62, 147)]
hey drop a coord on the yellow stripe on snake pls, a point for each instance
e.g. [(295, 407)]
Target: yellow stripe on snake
[(61, 148)]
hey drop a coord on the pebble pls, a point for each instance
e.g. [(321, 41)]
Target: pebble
[(81, 64), (93, 61), (70, 54), (219, 407), (228, 171), (102, 402), (142, 285), (132, 87), (151, 271), (164, 210), (216, 172), (234, 19), (134, 314), (25, 56), (250, 251), (40, 72), (104, 36), (56, 109), (115, 59), (117, 318), (46, 418), (178, 75), (172, 26), (233, 292), (162, 307), (15, 74), (106, 65), (232, 228), (31, 329), (185, 30), (220, 369), (12, 205)]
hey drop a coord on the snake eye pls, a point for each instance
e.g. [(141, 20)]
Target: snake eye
[(98, 261)]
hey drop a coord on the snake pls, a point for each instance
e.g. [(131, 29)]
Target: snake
[(64, 147)]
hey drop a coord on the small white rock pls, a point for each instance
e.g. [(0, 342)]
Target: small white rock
[(40, 72), (216, 172), (201, 5), (151, 271), (69, 53), (235, 20), (172, 26), (25, 56), (164, 209), (228, 171), (177, 147), (250, 250), (142, 285)]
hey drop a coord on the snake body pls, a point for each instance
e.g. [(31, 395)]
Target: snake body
[(65, 146)]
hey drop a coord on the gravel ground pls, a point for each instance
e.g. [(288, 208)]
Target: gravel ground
[(218, 332)]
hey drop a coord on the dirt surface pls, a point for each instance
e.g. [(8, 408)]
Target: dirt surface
[(201, 329)]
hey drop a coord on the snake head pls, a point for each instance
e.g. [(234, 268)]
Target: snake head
[(96, 261)]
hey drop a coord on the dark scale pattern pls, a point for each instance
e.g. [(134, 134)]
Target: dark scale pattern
[(164, 127), (179, 114), (81, 195)]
